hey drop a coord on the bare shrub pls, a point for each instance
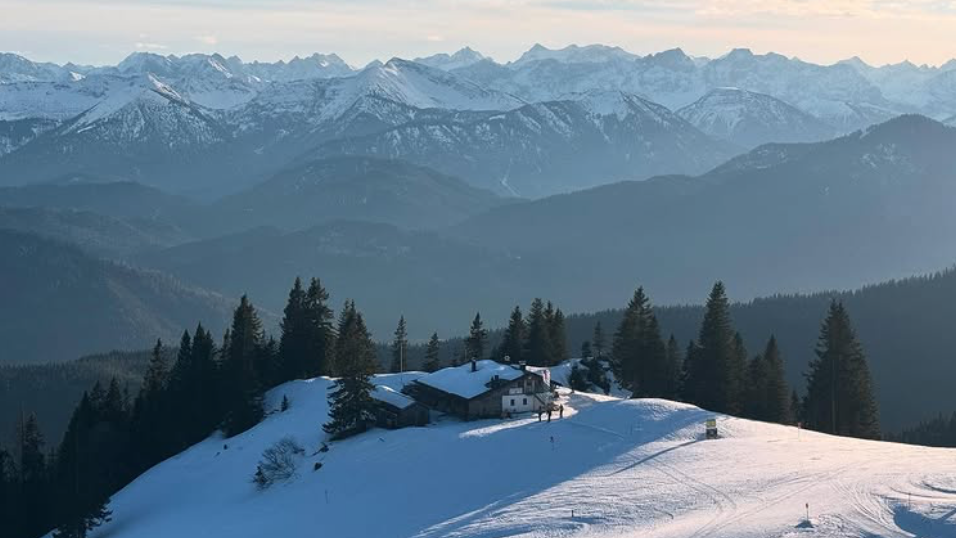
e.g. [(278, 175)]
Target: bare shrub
[(278, 463)]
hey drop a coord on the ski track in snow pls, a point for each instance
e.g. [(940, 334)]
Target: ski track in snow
[(627, 469)]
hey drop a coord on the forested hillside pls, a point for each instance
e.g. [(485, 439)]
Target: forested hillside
[(904, 326), (60, 303)]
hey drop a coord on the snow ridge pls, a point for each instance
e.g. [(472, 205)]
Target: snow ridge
[(524, 477)]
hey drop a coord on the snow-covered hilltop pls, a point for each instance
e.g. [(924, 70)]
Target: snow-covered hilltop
[(750, 119), (610, 467)]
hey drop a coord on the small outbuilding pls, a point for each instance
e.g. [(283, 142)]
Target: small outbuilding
[(395, 410), (484, 389)]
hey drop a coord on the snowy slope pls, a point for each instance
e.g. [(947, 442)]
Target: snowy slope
[(16, 68), (626, 468), (421, 86), (839, 94), (750, 119), (546, 148)]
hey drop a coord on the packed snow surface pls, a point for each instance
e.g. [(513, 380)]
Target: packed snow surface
[(384, 393), (609, 468), (467, 384)]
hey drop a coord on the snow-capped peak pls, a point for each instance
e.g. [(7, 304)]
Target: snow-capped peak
[(420, 86), (574, 54), (463, 58), (612, 103), (146, 62), (749, 118), (671, 59)]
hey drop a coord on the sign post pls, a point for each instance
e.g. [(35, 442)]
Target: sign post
[(711, 426)]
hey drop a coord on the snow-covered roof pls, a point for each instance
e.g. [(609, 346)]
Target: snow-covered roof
[(392, 397), (461, 381)]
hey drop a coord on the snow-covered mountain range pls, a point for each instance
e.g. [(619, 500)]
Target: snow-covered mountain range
[(565, 145), (242, 122)]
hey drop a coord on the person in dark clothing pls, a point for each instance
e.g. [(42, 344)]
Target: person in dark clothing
[(561, 411), (549, 414)]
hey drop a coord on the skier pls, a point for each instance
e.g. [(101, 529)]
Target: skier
[(561, 411), (549, 414)]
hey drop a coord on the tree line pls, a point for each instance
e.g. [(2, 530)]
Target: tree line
[(715, 371), (113, 437), (940, 431)]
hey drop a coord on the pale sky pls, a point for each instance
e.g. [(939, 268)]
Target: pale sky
[(822, 31)]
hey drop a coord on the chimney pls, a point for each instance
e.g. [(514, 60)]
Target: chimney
[(474, 365)]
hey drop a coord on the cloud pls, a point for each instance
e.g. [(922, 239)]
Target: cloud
[(815, 30), (150, 46)]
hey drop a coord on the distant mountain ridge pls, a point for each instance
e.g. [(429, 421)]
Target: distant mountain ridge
[(211, 125), (60, 302), (357, 188), (552, 147), (750, 119), (862, 208)]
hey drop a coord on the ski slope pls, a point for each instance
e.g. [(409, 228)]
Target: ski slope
[(626, 468)]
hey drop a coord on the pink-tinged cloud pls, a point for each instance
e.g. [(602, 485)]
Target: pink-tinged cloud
[(879, 31)]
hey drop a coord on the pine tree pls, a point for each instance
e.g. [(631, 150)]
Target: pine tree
[(399, 347), (598, 341), (294, 334), (152, 415), (319, 357), (307, 336), (537, 350), (712, 375), (578, 380), (178, 392), (755, 400), (796, 408), (113, 436), (559, 338), (475, 342), (33, 491), (626, 345), (202, 387), (692, 382), (655, 369), (82, 490), (673, 371), (736, 377), (243, 388), (351, 407), (777, 393), (268, 364), (586, 351), (157, 372), (638, 352), (9, 502), (432, 354), (839, 387), (512, 343)]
